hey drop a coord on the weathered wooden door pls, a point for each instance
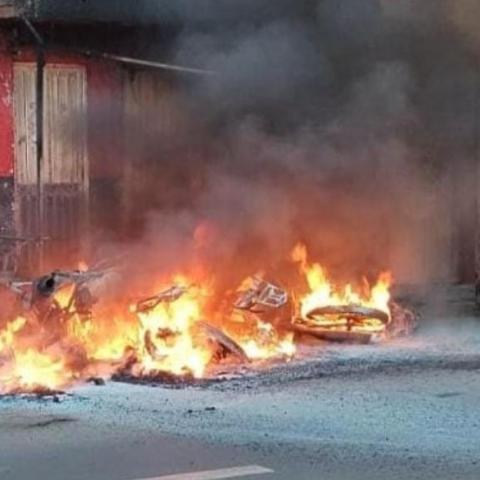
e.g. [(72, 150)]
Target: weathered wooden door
[(61, 185)]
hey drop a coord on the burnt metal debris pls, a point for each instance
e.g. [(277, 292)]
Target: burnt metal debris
[(333, 334), (81, 300), (404, 321), (352, 323), (261, 296), (227, 343), (356, 323), (169, 295), (353, 314), (332, 322), (37, 296)]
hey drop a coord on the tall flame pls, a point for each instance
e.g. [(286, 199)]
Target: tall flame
[(50, 354), (166, 337), (324, 293)]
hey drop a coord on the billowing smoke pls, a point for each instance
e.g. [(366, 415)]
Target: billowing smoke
[(349, 125)]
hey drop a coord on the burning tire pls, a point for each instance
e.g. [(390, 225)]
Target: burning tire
[(332, 334), (353, 314), (356, 323)]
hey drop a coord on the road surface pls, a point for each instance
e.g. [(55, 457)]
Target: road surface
[(408, 410)]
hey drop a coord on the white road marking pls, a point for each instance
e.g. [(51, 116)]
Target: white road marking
[(216, 474)]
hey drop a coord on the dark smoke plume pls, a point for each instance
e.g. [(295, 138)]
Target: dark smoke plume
[(349, 125)]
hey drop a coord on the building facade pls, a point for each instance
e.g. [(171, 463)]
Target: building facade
[(62, 113)]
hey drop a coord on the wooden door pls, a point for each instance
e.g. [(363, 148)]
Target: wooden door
[(61, 212)]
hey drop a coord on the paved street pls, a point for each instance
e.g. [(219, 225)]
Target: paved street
[(393, 423)]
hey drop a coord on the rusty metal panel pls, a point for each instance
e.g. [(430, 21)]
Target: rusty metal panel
[(65, 159), (25, 138)]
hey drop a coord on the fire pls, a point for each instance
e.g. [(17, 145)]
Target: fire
[(64, 295), (8, 334), (256, 351), (34, 371), (26, 369), (265, 343), (180, 331), (323, 293), (253, 324), (106, 337), (167, 339), (82, 266)]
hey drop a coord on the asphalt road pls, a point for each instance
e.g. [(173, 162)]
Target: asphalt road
[(408, 410), (403, 425)]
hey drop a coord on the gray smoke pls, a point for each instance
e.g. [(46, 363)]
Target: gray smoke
[(347, 125)]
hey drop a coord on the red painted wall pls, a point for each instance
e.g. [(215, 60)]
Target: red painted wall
[(6, 110)]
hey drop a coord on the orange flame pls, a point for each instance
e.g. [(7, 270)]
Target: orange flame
[(324, 293), (26, 369), (259, 339), (166, 337), (32, 371), (267, 344)]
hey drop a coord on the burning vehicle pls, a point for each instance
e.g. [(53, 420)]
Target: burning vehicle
[(60, 329), (348, 315)]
